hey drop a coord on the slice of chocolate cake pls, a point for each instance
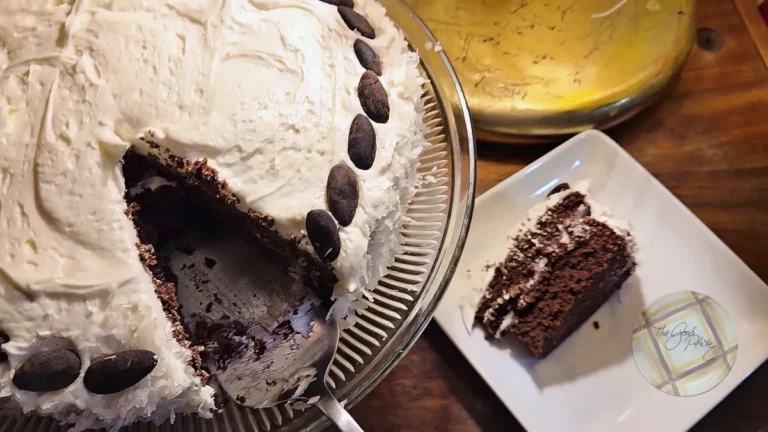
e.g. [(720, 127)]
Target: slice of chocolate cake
[(564, 261)]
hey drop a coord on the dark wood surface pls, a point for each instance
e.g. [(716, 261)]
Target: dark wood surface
[(707, 141)]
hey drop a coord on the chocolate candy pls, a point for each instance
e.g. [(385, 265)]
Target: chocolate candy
[(361, 144), (367, 57), (117, 372), (347, 3), (373, 97), (342, 193), (559, 188), (3, 339), (48, 371), (355, 21), (323, 234)]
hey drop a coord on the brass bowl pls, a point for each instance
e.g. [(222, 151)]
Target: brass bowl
[(533, 69)]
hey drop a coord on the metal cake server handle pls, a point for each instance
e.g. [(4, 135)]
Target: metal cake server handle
[(337, 414), (325, 351)]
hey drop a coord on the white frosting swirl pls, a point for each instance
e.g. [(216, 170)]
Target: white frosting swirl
[(264, 89)]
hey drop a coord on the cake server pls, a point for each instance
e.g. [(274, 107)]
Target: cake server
[(304, 374), (299, 342), (322, 351)]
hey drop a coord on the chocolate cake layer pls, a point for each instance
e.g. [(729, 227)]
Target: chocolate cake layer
[(559, 270), (148, 220)]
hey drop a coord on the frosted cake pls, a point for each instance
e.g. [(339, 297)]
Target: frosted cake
[(301, 116)]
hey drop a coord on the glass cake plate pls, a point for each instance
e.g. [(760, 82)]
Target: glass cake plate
[(401, 305)]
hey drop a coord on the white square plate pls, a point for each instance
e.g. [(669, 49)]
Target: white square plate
[(591, 383)]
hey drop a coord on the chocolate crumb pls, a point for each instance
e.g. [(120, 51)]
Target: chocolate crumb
[(596, 325), (224, 340), (209, 307), (284, 329), (210, 262)]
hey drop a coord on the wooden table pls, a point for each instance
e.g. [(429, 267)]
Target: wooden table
[(707, 141)]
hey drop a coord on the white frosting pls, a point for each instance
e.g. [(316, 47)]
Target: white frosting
[(264, 89), (275, 117)]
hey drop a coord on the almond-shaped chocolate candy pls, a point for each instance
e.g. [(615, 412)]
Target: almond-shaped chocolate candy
[(347, 3), (323, 234), (3, 339), (361, 144), (367, 56), (355, 21), (48, 371), (114, 373), (559, 188), (373, 97), (342, 193)]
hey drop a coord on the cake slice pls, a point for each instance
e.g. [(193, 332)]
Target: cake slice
[(564, 261)]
